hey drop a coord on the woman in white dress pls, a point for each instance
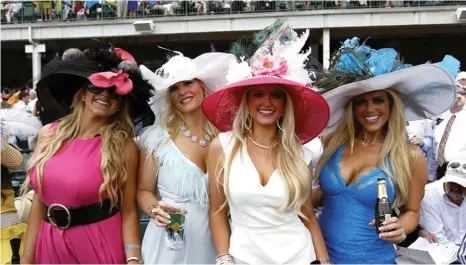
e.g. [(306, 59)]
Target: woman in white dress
[(172, 174), (258, 169)]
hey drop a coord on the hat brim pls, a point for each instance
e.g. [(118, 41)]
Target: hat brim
[(310, 109), (11, 157), (455, 179), (61, 80), (426, 91)]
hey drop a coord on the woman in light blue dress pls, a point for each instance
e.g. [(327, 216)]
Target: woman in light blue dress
[(371, 94), (172, 172)]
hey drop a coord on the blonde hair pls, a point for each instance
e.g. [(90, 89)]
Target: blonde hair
[(173, 118), (394, 147), (290, 161), (114, 135)]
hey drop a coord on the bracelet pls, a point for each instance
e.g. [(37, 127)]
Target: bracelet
[(224, 259), (325, 260), (133, 259), (131, 246)]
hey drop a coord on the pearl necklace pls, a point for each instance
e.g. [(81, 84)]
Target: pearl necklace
[(262, 146), (194, 138)]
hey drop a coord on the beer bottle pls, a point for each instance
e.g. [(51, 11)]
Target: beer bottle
[(15, 243), (383, 209)]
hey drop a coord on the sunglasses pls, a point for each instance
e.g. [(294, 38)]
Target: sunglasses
[(457, 165), (111, 92)]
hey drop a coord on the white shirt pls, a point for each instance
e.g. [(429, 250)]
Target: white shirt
[(31, 104), (20, 105), (316, 148), (441, 217), (456, 143)]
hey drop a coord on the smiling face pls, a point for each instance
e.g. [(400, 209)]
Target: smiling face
[(102, 103), (187, 96), (372, 110), (266, 104), (455, 192)]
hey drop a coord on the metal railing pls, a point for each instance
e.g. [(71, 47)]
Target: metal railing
[(73, 10)]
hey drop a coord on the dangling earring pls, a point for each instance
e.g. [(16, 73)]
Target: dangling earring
[(248, 122), (83, 99)]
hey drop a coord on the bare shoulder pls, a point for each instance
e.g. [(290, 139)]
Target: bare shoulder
[(215, 147), (45, 129), (131, 148)]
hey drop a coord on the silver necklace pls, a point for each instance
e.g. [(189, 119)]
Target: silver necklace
[(262, 146), (194, 138)]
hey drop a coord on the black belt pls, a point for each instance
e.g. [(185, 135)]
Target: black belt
[(63, 217)]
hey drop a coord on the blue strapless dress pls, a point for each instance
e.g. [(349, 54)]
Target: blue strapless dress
[(346, 215)]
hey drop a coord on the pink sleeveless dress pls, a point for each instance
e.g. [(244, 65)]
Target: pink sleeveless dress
[(72, 177)]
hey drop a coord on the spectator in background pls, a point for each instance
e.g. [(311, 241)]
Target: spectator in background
[(420, 133), (23, 101), (132, 8), (47, 10), (450, 133), (6, 94), (32, 100), (443, 210)]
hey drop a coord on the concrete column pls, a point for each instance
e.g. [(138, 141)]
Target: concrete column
[(36, 50), (326, 48)]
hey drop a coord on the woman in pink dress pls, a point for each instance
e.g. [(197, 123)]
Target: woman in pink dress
[(84, 167)]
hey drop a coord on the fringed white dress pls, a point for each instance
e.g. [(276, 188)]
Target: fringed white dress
[(181, 183)]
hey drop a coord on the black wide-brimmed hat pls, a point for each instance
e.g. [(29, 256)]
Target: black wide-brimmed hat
[(63, 76)]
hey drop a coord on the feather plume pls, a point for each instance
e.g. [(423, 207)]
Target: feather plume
[(18, 123), (354, 62), (248, 45)]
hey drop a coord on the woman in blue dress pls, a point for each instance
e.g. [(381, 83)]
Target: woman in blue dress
[(371, 94)]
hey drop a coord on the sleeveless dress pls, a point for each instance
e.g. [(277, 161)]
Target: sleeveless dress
[(180, 183), (72, 177), (346, 215), (260, 234), (11, 227)]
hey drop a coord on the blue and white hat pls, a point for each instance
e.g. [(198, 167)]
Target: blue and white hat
[(426, 90)]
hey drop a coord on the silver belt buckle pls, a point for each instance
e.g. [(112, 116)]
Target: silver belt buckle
[(52, 219)]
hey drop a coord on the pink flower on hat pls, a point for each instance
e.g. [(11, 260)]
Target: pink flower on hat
[(269, 65), (120, 80)]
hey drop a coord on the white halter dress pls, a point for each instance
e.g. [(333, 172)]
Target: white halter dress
[(260, 233)]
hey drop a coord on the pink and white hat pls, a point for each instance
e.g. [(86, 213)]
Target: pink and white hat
[(278, 61)]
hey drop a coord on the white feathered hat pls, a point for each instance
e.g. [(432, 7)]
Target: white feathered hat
[(15, 123), (210, 68)]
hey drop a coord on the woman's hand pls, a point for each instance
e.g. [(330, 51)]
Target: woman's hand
[(391, 230), (160, 213)]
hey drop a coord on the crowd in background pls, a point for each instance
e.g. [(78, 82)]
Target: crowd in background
[(66, 10)]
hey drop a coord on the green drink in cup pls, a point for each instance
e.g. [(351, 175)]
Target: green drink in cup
[(175, 230)]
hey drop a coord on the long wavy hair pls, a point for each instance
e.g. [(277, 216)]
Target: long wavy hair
[(290, 161), (114, 133), (394, 148), (173, 118)]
